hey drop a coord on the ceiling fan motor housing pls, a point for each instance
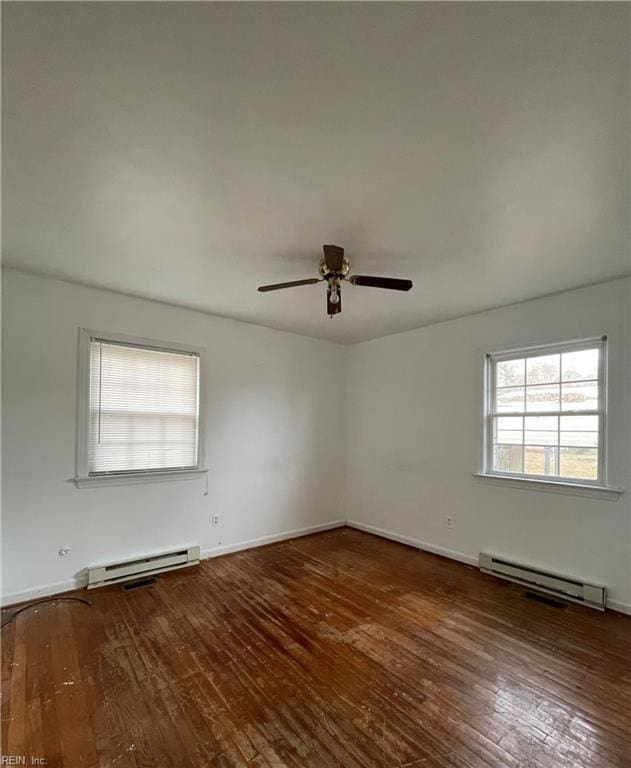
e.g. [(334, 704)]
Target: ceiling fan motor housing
[(325, 271)]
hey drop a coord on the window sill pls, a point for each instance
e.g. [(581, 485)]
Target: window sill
[(140, 477), (552, 486)]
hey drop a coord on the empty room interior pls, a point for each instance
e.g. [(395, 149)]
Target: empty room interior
[(316, 385)]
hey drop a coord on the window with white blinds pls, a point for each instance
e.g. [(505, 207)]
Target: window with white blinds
[(143, 409)]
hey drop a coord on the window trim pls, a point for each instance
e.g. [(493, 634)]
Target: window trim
[(82, 478), (492, 358), (609, 493)]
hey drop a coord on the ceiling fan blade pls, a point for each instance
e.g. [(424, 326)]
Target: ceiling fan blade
[(333, 309), (333, 257), (292, 284), (391, 283)]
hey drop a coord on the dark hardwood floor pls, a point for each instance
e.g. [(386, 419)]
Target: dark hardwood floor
[(339, 649)]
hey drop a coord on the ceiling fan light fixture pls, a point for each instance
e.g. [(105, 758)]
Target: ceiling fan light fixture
[(334, 269)]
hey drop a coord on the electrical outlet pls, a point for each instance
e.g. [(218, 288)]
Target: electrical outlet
[(450, 522), (63, 551), (216, 520)]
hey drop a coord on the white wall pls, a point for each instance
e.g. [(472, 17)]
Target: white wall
[(274, 434), (277, 433), (414, 418)]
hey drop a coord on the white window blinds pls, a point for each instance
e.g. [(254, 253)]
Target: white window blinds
[(143, 409)]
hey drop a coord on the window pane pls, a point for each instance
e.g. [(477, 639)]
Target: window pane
[(542, 430), (586, 439), (540, 370), (580, 365), (509, 399), (509, 422), (579, 463), (579, 430), (580, 423), (507, 458), (542, 397), (509, 373), (580, 396), (540, 460), (508, 429), (513, 437)]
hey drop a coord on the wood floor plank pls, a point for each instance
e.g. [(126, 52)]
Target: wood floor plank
[(338, 649)]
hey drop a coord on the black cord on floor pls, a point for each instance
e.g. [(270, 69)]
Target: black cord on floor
[(39, 602)]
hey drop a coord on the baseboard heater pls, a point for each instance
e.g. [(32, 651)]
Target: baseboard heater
[(543, 581), (101, 575)]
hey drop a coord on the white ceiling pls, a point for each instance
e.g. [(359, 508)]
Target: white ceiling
[(191, 152)]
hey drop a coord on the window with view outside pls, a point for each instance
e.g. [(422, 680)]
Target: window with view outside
[(545, 413)]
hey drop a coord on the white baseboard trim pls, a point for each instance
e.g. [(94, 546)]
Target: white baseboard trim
[(613, 605), (226, 549), (77, 583), (47, 590), (450, 553)]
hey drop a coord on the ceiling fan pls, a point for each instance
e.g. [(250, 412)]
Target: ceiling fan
[(334, 268)]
